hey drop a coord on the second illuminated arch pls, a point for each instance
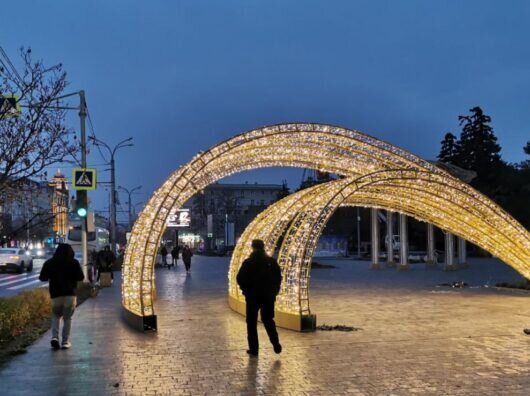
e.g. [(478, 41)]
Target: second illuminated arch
[(443, 201)]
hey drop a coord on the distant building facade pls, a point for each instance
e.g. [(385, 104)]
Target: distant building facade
[(221, 212), (26, 211)]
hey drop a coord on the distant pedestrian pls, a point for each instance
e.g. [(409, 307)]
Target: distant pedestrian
[(186, 257), (175, 254), (260, 278), (92, 265), (163, 253), (105, 260), (63, 272)]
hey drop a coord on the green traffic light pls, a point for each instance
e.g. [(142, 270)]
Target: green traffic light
[(81, 212)]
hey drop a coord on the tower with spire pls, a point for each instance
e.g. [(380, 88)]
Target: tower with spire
[(60, 203)]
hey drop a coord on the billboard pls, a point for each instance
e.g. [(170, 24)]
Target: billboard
[(179, 218)]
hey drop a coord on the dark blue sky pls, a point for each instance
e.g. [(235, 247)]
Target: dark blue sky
[(181, 76)]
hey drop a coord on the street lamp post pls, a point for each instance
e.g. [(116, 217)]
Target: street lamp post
[(129, 193), (112, 151), (134, 210)]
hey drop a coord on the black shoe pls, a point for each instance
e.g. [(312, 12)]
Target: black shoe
[(55, 343), (252, 353), (527, 331), (278, 348)]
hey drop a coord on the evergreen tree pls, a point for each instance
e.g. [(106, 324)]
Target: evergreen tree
[(525, 165), (479, 150), (450, 149)]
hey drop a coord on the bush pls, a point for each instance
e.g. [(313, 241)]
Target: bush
[(22, 311)]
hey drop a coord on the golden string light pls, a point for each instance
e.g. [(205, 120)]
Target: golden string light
[(329, 149)]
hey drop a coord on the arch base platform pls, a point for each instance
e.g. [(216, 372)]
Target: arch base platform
[(142, 323)]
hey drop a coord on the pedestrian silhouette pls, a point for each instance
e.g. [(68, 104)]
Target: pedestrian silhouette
[(186, 257), (260, 278), (63, 272), (163, 253), (175, 254), (105, 260)]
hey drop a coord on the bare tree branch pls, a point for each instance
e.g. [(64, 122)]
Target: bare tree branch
[(39, 137)]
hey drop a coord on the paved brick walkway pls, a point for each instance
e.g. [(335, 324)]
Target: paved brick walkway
[(414, 338)]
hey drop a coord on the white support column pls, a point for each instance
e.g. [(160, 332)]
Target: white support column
[(449, 252), (462, 253), (432, 260), (374, 222), (389, 240), (403, 243)]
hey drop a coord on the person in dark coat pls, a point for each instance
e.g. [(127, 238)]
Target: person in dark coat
[(175, 254), (260, 278), (163, 253), (186, 257), (63, 272), (105, 260)]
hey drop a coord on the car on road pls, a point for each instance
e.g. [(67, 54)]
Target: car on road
[(16, 259), (38, 253)]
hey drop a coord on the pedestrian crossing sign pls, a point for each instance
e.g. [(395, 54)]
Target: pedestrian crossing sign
[(84, 178)]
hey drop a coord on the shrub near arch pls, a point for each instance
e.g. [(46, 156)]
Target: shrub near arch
[(323, 147)]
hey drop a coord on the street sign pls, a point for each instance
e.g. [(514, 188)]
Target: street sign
[(84, 178), (9, 106)]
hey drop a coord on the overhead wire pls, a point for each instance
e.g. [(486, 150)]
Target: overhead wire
[(92, 130), (10, 68)]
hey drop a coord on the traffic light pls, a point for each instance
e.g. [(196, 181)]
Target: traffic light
[(81, 203)]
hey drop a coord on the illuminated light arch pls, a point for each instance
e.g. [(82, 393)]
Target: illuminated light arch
[(326, 148), (444, 202)]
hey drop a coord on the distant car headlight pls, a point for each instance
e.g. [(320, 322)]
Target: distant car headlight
[(14, 257)]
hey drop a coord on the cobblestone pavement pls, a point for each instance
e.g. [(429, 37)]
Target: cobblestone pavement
[(414, 338)]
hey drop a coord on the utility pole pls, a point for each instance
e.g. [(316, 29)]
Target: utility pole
[(129, 204), (84, 239), (112, 205), (27, 228)]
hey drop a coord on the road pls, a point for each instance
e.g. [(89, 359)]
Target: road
[(12, 283)]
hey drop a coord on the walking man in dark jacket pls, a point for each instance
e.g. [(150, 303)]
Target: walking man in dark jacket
[(259, 278), (63, 272)]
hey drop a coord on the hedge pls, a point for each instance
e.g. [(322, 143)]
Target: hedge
[(22, 311)]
